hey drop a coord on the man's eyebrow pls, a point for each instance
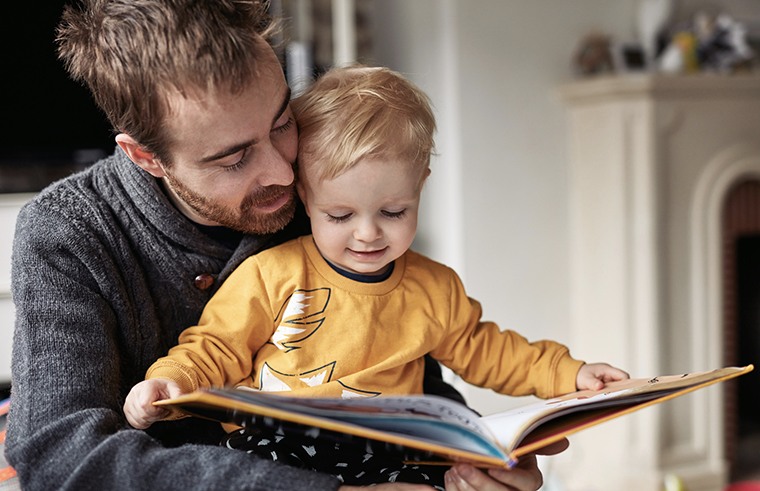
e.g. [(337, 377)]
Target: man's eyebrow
[(243, 145), (228, 151)]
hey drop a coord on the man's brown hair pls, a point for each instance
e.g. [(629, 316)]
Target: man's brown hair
[(132, 53)]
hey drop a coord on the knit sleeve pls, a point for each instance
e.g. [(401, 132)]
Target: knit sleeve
[(219, 351), (504, 361), (66, 427)]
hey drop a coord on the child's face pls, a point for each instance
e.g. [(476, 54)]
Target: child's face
[(365, 218)]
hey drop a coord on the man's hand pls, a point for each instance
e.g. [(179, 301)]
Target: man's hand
[(139, 408), (525, 476), (594, 376)]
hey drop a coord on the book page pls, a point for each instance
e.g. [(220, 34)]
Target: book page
[(510, 427), (396, 422), (365, 409)]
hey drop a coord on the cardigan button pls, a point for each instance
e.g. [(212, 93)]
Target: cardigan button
[(203, 281)]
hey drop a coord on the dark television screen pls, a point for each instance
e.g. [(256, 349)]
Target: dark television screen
[(51, 126)]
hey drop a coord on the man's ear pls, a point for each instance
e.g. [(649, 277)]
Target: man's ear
[(144, 159)]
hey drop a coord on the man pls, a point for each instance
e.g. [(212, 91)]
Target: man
[(111, 264)]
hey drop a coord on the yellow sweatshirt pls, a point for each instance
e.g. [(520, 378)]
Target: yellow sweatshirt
[(286, 321)]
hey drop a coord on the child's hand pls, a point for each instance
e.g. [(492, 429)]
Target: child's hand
[(594, 376), (139, 408)]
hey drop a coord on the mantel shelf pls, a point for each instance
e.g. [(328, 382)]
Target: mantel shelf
[(659, 86)]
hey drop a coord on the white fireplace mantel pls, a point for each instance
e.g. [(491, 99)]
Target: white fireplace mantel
[(651, 159)]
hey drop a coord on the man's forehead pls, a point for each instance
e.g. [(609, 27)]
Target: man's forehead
[(269, 84), (180, 100), (266, 77)]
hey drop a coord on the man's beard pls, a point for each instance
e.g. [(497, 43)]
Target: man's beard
[(243, 219)]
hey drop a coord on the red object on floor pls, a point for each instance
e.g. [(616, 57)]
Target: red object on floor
[(743, 486), (7, 473)]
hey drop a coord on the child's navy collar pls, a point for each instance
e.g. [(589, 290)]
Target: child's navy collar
[(363, 278)]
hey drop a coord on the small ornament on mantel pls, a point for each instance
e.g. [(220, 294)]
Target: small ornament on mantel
[(707, 43), (594, 55), (652, 17)]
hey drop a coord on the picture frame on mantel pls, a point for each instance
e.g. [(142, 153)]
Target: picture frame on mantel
[(629, 58)]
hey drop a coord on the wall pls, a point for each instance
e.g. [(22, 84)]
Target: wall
[(496, 205)]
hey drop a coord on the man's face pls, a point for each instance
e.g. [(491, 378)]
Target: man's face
[(232, 154)]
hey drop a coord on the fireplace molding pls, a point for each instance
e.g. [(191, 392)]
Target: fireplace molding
[(733, 165), (651, 160)]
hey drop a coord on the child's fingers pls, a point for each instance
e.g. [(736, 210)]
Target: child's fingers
[(141, 417), (139, 409), (135, 414), (590, 381), (613, 374), (173, 389), (594, 376), (608, 373)]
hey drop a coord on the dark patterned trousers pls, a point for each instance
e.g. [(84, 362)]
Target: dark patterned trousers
[(355, 461)]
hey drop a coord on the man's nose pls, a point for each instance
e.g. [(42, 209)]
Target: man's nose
[(273, 168)]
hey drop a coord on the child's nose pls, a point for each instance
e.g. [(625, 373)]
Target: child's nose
[(367, 231)]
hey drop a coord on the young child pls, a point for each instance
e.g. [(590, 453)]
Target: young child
[(350, 311)]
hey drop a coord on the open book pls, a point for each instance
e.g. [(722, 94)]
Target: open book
[(437, 430)]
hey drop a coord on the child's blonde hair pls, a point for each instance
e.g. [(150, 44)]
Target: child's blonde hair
[(356, 112)]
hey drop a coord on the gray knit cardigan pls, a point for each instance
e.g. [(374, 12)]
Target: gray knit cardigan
[(103, 282)]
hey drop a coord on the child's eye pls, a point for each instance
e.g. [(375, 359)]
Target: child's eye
[(338, 219), (394, 214)]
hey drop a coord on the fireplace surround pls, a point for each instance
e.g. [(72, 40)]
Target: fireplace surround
[(652, 161)]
